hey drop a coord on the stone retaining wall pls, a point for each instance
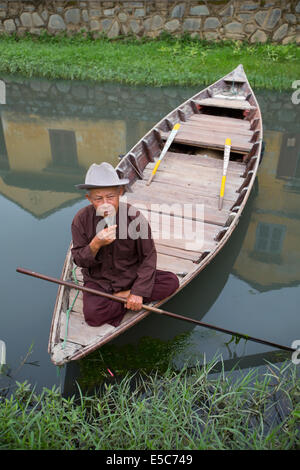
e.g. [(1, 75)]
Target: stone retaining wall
[(249, 20)]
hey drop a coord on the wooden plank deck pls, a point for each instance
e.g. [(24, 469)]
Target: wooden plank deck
[(185, 165), (79, 331), (205, 157), (155, 204), (202, 183), (168, 192)]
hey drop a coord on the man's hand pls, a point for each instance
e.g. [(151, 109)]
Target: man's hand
[(123, 293), (107, 235), (134, 302), (102, 238)]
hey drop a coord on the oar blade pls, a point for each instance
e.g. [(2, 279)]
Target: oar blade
[(164, 151), (225, 166)]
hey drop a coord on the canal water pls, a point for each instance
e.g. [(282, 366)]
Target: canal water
[(50, 133)]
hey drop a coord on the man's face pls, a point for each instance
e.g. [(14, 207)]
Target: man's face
[(105, 200)]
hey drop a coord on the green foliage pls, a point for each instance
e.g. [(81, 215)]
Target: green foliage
[(143, 61), (186, 410)]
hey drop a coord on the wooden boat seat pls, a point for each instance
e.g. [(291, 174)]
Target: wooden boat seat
[(223, 127), (221, 120), (226, 103), (207, 136)]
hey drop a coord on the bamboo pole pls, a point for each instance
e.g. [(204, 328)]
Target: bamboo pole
[(159, 311)]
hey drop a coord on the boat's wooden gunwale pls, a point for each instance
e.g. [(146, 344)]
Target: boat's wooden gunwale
[(53, 337)]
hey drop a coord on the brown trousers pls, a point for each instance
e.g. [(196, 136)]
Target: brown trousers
[(99, 310)]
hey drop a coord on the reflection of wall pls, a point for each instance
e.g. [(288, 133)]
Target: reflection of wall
[(29, 148), (289, 161), (43, 158), (270, 254), (39, 203)]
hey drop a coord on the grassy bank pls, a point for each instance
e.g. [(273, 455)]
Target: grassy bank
[(166, 61), (170, 411)]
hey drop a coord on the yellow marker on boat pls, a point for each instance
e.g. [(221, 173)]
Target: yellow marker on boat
[(225, 166), (164, 151)]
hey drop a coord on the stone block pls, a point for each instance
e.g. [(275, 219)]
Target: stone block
[(260, 17), (124, 29), (172, 25), (45, 15), (273, 19), (106, 24), (234, 27), (249, 28), (199, 10), (178, 11), (109, 12), (228, 11), (72, 16), (114, 30), (37, 20), (56, 23), (30, 8), (259, 36), (191, 24), (292, 19), (157, 22), (9, 26), (245, 17), (211, 36), (211, 23), (249, 6), (134, 26), (139, 12), (122, 17), (94, 25), (95, 12), (147, 24), (26, 20), (85, 16), (281, 32)]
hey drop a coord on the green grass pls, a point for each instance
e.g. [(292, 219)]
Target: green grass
[(165, 61), (175, 411)]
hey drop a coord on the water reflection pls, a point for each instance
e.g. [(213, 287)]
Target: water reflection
[(270, 258), (50, 133)]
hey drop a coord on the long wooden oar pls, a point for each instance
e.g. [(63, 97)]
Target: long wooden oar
[(225, 166), (71, 285), (164, 151)]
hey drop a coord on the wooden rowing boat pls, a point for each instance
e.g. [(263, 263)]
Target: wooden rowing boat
[(185, 189)]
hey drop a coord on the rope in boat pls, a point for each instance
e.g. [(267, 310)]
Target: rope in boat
[(70, 308)]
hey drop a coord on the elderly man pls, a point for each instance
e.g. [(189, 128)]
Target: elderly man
[(114, 246)]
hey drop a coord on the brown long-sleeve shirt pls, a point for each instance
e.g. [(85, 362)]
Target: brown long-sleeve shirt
[(126, 263)]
